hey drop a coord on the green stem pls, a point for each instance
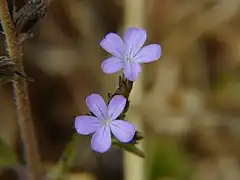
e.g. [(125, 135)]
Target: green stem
[(59, 171)]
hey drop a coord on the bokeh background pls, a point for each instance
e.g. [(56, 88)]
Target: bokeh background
[(187, 104)]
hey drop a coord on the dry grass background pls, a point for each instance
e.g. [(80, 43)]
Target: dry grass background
[(190, 102)]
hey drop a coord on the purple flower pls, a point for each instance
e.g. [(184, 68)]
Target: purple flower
[(128, 55), (105, 122)]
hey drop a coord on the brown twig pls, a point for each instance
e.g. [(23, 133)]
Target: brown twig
[(21, 97)]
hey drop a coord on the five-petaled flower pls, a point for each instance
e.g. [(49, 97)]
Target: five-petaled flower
[(128, 54), (105, 122)]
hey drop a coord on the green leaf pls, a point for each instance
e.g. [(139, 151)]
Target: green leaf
[(129, 148), (7, 155)]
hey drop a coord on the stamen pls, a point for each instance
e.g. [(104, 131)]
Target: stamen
[(107, 122)]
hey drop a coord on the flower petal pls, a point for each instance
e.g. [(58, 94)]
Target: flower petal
[(131, 71), (123, 130), (101, 140), (113, 44), (148, 54), (97, 106), (116, 106), (87, 124), (134, 39), (112, 65)]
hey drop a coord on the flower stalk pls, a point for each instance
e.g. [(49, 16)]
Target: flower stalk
[(20, 87)]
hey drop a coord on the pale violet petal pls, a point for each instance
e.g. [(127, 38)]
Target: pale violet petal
[(132, 70), (134, 39), (97, 106), (112, 65), (113, 44), (101, 140), (123, 130), (87, 124), (148, 54), (116, 106)]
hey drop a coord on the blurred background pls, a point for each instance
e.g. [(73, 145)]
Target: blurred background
[(188, 102)]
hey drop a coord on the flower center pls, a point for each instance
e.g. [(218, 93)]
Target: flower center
[(128, 54), (107, 122), (127, 59)]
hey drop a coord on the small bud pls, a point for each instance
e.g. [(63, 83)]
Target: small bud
[(30, 14), (8, 70), (24, 36)]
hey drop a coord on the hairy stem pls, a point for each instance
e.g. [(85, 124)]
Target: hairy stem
[(21, 97)]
